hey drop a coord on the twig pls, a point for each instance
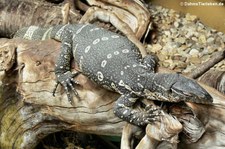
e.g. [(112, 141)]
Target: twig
[(216, 58)]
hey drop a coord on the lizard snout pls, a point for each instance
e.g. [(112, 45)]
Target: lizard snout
[(191, 91)]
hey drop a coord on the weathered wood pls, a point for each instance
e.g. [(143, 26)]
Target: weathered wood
[(29, 112), (211, 116), (213, 119), (42, 13), (215, 79), (21, 13)]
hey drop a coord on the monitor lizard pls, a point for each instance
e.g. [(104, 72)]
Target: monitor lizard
[(115, 63)]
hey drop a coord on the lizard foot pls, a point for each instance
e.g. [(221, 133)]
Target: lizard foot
[(152, 114), (67, 81), (124, 109), (148, 116)]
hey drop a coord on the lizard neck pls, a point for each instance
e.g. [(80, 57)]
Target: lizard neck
[(138, 80), (150, 90)]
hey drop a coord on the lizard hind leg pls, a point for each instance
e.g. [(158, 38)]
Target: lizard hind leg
[(124, 109)]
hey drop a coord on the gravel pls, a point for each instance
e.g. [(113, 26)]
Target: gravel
[(182, 41)]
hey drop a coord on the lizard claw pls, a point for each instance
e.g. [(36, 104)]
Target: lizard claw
[(66, 80), (153, 114), (149, 116), (73, 89), (54, 90)]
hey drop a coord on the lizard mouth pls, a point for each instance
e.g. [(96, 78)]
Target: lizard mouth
[(195, 95), (181, 93)]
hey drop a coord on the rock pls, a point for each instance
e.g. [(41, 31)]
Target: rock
[(183, 53), (190, 17), (218, 41), (212, 49), (194, 38), (194, 53), (176, 24), (171, 12), (194, 60), (180, 40), (167, 33), (179, 66), (189, 34), (210, 40), (183, 41), (202, 39), (220, 34), (223, 38), (166, 64), (205, 58), (179, 57), (156, 48), (169, 63), (162, 57), (196, 34), (190, 68), (164, 51), (173, 31)]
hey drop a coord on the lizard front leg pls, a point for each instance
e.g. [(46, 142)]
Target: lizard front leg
[(124, 110), (62, 70)]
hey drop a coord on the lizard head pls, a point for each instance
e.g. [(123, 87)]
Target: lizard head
[(176, 88), (190, 90)]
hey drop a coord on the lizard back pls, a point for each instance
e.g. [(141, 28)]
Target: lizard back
[(104, 56)]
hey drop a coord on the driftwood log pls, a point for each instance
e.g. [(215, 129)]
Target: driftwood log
[(215, 79), (211, 116), (29, 112), (20, 13), (14, 15)]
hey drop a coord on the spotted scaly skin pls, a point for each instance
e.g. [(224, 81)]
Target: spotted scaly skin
[(115, 63)]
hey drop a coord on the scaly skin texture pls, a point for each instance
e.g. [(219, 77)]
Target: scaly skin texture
[(114, 62)]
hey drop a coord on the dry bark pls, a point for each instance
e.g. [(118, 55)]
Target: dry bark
[(21, 13), (29, 111), (211, 117), (215, 79)]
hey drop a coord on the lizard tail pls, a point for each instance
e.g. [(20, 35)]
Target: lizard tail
[(40, 33), (33, 33)]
